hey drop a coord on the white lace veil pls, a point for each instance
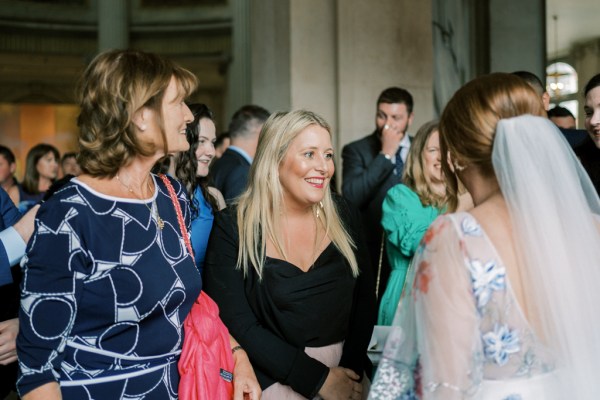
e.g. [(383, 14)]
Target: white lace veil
[(554, 210)]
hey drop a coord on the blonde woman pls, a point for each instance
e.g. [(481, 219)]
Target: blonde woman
[(288, 268), (409, 209)]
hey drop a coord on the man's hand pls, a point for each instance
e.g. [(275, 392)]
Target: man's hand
[(390, 139), (8, 341)]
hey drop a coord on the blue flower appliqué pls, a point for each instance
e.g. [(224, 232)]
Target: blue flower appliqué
[(500, 343), (410, 395), (470, 227), (485, 279), (513, 397)]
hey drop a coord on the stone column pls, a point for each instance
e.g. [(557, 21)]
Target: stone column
[(334, 57), (113, 24), (518, 36), (239, 76)]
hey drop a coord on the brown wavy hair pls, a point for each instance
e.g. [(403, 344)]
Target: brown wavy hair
[(468, 123), (113, 88)]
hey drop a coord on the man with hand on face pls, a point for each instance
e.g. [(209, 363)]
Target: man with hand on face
[(372, 165)]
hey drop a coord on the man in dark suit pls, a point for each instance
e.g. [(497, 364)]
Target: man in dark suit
[(230, 172), (372, 165)]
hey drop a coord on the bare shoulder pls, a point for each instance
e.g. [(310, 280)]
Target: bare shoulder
[(214, 192)]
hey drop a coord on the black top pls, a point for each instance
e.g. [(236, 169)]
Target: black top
[(274, 319), (366, 178), (589, 155)]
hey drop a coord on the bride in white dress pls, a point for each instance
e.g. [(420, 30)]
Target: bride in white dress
[(504, 298)]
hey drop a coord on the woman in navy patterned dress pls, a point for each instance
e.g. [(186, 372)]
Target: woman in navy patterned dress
[(108, 280)]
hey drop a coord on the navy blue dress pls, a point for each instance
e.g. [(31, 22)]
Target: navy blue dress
[(104, 296)]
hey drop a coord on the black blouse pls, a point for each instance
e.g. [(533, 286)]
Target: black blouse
[(274, 319)]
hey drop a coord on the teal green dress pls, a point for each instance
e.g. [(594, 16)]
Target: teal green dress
[(404, 222)]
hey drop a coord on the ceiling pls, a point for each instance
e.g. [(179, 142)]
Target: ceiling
[(578, 20)]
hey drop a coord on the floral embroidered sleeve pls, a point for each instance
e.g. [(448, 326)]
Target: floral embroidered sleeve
[(434, 350)]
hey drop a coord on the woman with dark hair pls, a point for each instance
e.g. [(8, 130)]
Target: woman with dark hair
[(192, 170), (409, 209), (41, 169)]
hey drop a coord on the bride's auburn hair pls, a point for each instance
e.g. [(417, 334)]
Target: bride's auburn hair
[(468, 123)]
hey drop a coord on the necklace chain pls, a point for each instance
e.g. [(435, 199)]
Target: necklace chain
[(159, 220)]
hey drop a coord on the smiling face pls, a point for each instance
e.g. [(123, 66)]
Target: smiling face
[(47, 166), (206, 146), (307, 168), (432, 157), (592, 114), (175, 117)]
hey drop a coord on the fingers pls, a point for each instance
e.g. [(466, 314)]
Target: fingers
[(351, 374), (8, 358)]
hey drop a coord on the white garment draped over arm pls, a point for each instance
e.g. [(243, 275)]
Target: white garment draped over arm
[(440, 312)]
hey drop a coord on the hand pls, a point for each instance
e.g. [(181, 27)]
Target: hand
[(245, 384), (391, 137), (8, 341), (25, 225), (341, 383)]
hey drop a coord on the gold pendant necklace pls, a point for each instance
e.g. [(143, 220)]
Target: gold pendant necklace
[(159, 221)]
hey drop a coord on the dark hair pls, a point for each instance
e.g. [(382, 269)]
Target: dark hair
[(221, 138), (559, 111), (66, 156), (187, 164), (7, 154), (592, 84), (243, 119), (394, 95), (32, 176), (533, 80)]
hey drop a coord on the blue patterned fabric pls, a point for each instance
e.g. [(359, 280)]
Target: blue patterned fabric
[(104, 296)]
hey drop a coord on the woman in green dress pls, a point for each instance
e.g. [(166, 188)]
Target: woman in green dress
[(409, 209)]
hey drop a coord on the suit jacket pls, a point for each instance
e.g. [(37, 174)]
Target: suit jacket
[(366, 177), (230, 174), (589, 155)]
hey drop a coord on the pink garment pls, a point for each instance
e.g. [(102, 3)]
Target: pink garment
[(206, 363)]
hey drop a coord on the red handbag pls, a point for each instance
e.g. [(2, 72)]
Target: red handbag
[(206, 362)]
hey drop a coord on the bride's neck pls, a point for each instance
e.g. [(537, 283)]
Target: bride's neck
[(482, 188)]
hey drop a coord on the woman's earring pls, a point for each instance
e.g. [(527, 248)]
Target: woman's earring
[(319, 208), (458, 167)]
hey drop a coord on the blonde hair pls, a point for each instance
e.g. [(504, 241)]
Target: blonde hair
[(414, 175), (258, 212), (468, 123), (114, 86)]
